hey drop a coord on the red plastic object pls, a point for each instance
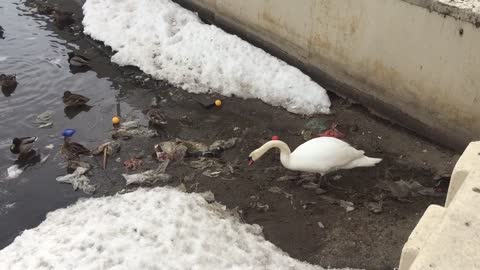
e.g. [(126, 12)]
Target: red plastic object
[(332, 132), (275, 138)]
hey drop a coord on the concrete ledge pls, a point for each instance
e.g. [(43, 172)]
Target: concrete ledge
[(404, 62), (464, 10), (448, 238)]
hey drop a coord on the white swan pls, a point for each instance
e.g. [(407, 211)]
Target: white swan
[(319, 155)]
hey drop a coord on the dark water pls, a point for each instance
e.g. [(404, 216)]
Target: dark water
[(33, 51)]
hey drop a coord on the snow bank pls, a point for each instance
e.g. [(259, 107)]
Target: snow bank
[(171, 43), (158, 228)]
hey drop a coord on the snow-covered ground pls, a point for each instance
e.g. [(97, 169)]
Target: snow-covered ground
[(159, 228), (171, 43)]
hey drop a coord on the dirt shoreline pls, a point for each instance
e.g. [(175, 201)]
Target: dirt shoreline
[(359, 238)]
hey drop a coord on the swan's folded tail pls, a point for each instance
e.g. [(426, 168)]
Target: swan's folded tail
[(363, 162)]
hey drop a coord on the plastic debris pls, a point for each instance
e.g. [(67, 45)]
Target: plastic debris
[(45, 117), (275, 189), (149, 177), (74, 164), (375, 207), (132, 129), (170, 151), (222, 145), (348, 206), (132, 164), (46, 125), (78, 180), (403, 189), (14, 171), (208, 196), (332, 132), (50, 146), (320, 224), (311, 186), (316, 125), (112, 148)]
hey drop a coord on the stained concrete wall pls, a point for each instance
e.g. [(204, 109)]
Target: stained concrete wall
[(448, 237), (402, 59)]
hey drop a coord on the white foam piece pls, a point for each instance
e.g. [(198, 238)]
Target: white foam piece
[(171, 43), (14, 171), (158, 228)]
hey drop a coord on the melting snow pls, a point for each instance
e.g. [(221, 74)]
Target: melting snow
[(158, 228), (171, 43)]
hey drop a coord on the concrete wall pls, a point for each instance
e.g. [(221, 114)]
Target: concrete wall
[(448, 237), (415, 66)]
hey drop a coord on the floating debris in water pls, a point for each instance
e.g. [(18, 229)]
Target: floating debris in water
[(14, 171), (78, 180)]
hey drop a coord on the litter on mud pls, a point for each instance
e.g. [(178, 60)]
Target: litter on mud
[(402, 189), (132, 129), (78, 180), (149, 177)]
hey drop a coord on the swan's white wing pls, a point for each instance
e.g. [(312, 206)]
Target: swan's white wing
[(323, 154)]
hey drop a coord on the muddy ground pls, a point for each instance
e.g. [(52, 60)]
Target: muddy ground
[(358, 238)]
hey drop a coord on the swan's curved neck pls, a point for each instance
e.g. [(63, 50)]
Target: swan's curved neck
[(284, 151)]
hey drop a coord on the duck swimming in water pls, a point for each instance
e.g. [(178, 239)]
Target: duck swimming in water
[(8, 81), (71, 99), (22, 145), (77, 60)]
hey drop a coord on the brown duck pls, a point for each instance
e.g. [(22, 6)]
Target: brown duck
[(72, 150), (71, 99), (8, 81)]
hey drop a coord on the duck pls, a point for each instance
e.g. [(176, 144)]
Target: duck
[(22, 145), (71, 99), (320, 155), (72, 150), (77, 60), (8, 81), (63, 18)]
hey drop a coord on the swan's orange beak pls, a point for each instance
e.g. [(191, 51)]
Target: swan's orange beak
[(250, 161)]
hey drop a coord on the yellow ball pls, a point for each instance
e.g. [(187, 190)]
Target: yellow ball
[(116, 120), (218, 103)]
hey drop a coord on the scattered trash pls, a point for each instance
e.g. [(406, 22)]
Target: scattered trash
[(149, 177), (78, 180), (332, 132), (311, 185), (211, 173), (307, 204), (221, 145), (45, 117), (14, 171), (316, 125), (348, 206), (403, 189), (337, 177), (74, 164), (132, 164), (287, 178), (306, 134), (375, 207), (170, 151), (275, 189), (320, 191), (46, 125), (208, 196), (44, 159), (132, 129), (320, 224), (112, 147), (50, 146)]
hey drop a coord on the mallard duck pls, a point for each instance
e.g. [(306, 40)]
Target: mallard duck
[(77, 60), (156, 116), (22, 145), (71, 99), (8, 81), (63, 18), (73, 150)]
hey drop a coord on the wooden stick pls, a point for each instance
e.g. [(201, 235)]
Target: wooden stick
[(105, 157)]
